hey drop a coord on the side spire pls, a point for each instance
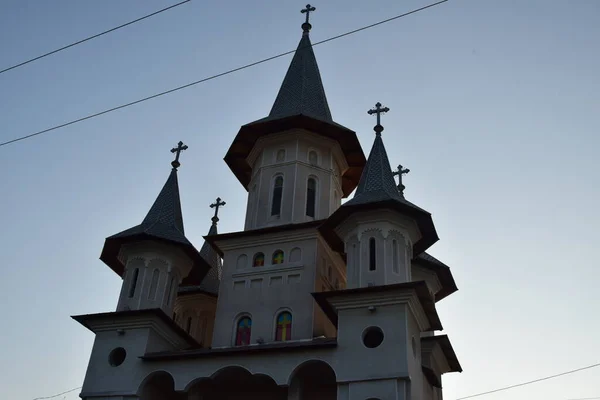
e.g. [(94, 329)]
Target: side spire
[(399, 172), (302, 90)]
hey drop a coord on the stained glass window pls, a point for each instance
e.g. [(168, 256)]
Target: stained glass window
[(243, 332), (277, 257), (259, 260), (284, 327)]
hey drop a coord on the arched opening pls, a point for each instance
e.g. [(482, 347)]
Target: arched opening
[(243, 331), (134, 280), (278, 257), (311, 197), (280, 155), (159, 386), (283, 330), (153, 285), (259, 260), (237, 383), (395, 260), (277, 195), (372, 254), (313, 380)]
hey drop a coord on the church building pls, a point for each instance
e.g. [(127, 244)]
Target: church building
[(312, 300)]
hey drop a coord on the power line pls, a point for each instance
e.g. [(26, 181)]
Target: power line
[(214, 76), (56, 395), (530, 382), (587, 398), (92, 37)]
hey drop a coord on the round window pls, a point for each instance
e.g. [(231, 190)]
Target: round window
[(372, 337), (117, 356)]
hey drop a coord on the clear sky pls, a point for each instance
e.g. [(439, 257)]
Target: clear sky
[(495, 108)]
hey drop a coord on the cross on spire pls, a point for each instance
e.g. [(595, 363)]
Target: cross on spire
[(180, 147), (218, 203), (378, 110), (399, 172), (306, 25)]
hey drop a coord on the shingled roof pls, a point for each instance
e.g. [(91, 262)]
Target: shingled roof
[(164, 222), (212, 280), (377, 189)]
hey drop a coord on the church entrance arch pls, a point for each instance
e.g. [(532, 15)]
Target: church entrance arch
[(313, 380)]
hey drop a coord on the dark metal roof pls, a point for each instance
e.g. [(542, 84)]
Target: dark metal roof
[(300, 104), (419, 287), (448, 350), (377, 190), (212, 280), (164, 222), (442, 271), (302, 90)]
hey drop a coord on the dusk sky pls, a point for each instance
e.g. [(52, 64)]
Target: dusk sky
[(494, 107)]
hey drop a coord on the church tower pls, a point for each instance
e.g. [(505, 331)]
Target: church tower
[(312, 299), (154, 257)]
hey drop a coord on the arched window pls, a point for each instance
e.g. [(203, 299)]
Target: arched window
[(280, 155), (372, 255), (171, 284), (284, 326), (277, 194), (311, 197), (134, 279), (295, 255), (188, 325), (313, 158), (395, 256), (242, 261), (153, 285), (277, 257), (259, 260), (243, 331), (175, 317)]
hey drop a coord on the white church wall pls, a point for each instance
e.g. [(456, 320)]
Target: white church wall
[(296, 156), (261, 292), (199, 310)]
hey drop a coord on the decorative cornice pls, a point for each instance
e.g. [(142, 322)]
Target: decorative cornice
[(266, 270)]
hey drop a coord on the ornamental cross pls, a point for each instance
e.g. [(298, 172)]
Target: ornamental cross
[(399, 172), (180, 147), (378, 110), (307, 11), (218, 203)]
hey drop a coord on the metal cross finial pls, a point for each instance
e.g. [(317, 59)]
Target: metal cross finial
[(401, 171), (218, 203), (306, 25), (378, 110), (180, 147)]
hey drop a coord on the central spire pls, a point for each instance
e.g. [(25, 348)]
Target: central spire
[(302, 90)]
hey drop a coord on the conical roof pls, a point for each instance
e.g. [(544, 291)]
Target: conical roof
[(212, 280), (164, 222), (302, 89)]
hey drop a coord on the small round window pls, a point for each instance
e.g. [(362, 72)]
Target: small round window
[(117, 356), (372, 337)]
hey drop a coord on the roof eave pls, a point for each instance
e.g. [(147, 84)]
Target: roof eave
[(424, 221), (112, 246), (248, 135)]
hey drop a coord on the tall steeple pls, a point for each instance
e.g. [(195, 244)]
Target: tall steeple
[(302, 90), (377, 189), (212, 280), (164, 223)]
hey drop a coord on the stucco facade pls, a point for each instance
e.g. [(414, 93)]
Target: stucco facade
[(311, 300)]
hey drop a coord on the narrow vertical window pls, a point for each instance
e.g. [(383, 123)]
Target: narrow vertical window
[(153, 285), (188, 325), (277, 257), (259, 260), (175, 317), (311, 197), (277, 194), (395, 256), (133, 282), (171, 283), (243, 332), (284, 327), (372, 255)]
